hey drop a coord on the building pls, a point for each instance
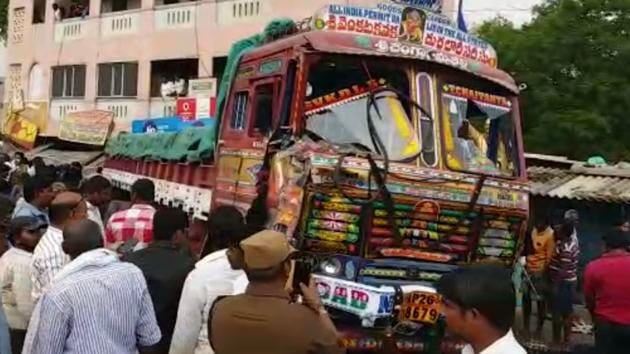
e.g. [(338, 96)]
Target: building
[(114, 54)]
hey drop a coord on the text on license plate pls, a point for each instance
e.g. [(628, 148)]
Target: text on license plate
[(421, 307)]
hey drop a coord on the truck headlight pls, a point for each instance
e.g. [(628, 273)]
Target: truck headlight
[(331, 266)]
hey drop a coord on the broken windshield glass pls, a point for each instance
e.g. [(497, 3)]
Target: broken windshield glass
[(347, 123), (336, 106), (479, 132)]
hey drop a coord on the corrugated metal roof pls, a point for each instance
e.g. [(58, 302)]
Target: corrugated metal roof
[(568, 184), (550, 158)]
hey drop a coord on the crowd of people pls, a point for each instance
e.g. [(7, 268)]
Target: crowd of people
[(80, 273), (76, 9), (552, 279)]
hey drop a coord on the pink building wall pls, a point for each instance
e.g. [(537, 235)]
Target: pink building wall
[(203, 30)]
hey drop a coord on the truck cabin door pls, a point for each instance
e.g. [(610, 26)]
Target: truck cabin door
[(252, 112)]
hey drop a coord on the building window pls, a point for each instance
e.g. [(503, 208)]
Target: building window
[(263, 108), (118, 80), (36, 85), (239, 111), (39, 11), (218, 68), (169, 78), (119, 5), (68, 81)]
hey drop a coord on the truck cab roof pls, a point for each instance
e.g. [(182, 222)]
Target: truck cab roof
[(352, 44)]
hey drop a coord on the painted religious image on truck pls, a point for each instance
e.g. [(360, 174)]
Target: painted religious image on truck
[(387, 160)]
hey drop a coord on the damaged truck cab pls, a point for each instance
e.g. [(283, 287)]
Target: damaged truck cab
[(394, 156), (399, 169)]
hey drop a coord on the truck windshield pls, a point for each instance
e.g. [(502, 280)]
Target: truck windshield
[(337, 102), (479, 132)]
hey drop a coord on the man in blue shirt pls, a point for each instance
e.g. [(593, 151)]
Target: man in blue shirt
[(38, 195), (97, 304)]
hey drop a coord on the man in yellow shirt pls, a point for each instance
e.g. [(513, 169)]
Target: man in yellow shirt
[(540, 250)]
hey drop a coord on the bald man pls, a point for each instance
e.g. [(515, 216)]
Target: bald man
[(95, 305), (81, 237), (48, 257)]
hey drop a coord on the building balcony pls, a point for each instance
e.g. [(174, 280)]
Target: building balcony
[(115, 24), (70, 30), (176, 16)]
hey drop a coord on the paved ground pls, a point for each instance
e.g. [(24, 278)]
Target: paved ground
[(544, 344)]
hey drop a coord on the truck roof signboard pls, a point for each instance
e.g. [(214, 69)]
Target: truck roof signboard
[(408, 23)]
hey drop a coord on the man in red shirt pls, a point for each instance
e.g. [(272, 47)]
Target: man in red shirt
[(607, 293), (134, 225)]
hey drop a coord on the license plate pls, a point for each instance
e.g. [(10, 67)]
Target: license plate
[(421, 307)]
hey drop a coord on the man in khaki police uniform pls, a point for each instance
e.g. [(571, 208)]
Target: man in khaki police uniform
[(264, 320)]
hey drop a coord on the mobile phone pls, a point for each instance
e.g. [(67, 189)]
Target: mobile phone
[(301, 274)]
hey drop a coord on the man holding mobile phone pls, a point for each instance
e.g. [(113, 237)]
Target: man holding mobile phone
[(264, 320)]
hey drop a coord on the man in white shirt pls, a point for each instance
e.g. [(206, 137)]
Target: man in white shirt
[(479, 304), (212, 277), (97, 191), (48, 257), (15, 276)]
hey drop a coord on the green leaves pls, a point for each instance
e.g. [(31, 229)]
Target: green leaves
[(4, 19), (573, 57)]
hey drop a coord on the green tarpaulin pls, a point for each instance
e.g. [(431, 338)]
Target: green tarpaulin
[(191, 144)]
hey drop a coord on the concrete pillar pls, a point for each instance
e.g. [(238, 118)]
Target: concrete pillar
[(95, 8)]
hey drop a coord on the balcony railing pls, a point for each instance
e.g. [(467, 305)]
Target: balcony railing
[(122, 109), (175, 17), (119, 24), (60, 107), (240, 11), (162, 107), (69, 30)]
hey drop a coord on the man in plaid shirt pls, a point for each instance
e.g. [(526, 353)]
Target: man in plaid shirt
[(136, 223)]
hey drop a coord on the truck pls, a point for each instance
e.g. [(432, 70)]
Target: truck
[(384, 142)]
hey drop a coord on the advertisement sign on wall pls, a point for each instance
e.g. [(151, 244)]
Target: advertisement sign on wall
[(167, 124), (196, 108), (202, 87), (86, 127)]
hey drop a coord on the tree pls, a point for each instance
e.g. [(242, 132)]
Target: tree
[(574, 58), (4, 19)]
